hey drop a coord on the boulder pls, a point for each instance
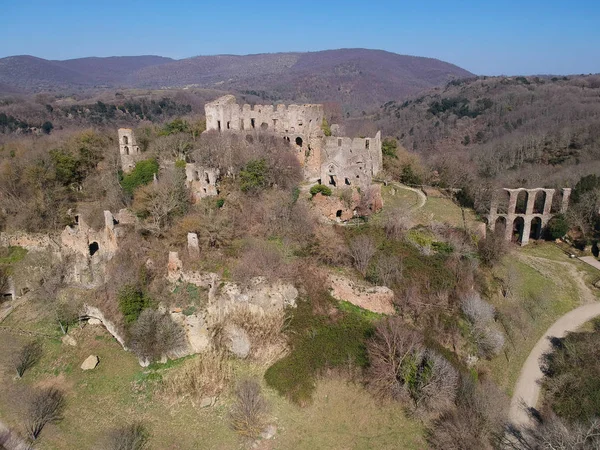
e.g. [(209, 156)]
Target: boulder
[(269, 432), (208, 401), (237, 341), (69, 340), (90, 363), (94, 321)]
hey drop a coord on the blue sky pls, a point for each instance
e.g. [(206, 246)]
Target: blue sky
[(485, 37)]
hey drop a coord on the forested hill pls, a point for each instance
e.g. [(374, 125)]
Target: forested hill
[(522, 130), (359, 79)]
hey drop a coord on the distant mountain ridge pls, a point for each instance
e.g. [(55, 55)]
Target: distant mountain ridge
[(357, 77)]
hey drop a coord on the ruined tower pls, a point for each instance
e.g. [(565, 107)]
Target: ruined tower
[(128, 149)]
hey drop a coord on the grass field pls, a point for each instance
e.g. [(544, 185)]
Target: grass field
[(544, 290), (342, 416)]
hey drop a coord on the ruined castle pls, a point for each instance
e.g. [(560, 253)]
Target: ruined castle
[(330, 160)]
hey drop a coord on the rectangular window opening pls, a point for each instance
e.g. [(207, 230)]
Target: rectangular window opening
[(252, 123)]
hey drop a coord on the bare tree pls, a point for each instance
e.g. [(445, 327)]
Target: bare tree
[(362, 248), (389, 269), (154, 335), (130, 437), (478, 311), (45, 407), (249, 413), (402, 368), (28, 356)]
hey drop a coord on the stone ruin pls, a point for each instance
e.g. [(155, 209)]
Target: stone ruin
[(331, 160), (129, 151), (521, 214), (201, 181)]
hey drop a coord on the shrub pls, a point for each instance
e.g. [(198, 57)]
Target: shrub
[(325, 127), (132, 301), (142, 174), (206, 374), (478, 311), (362, 248), (557, 227), (318, 344), (248, 414), (389, 147), (28, 356), (400, 367), (45, 407), (130, 437), (154, 335), (254, 176), (492, 249), (320, 188)]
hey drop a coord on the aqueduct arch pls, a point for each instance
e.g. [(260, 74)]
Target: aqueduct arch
[(527, 213)]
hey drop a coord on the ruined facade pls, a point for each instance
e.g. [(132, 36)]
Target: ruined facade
[(521, 214), (129, 151), (201, 181), (331, 160)]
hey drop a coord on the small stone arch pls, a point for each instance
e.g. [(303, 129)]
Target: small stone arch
[(521, 203), (535, 232), (338, 213), (126, 150), (517, 231), (299, 141), (125, 140), (539, 202)]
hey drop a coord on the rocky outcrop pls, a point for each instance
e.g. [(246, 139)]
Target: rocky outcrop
[(374, 298), (91, 312)]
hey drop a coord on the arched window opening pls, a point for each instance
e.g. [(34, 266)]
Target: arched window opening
[(347, 181), (126, 150), (557, 200), (299, 141), (332, 180), (125, 140), (338, 213), (206, 178), (94, 247)]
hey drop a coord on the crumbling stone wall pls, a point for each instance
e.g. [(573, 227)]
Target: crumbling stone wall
[(350, 162), (201, 181), (521, 223), (29, 241), (353, 160), (128, 149)]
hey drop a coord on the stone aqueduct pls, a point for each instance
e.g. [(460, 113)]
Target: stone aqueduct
[(525, 212)]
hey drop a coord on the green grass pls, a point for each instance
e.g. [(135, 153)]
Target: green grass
[(541, 297), (11, 255)]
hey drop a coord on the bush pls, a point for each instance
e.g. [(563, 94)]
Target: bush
[(325, 127), (492, 249), (132, 301), (28, 356), (325, 190), (253, 177), (248, 414), (389, 147), (400, 367), (478, 311), (142, 174), (318, 344), (131, 437), (205, 375), (557, 227), (154, 335), (45, 407)]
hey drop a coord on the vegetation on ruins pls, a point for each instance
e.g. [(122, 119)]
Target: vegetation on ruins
[(142, 174), (320, 188)]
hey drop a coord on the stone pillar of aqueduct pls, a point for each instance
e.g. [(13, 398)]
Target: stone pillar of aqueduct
[(523, 219)]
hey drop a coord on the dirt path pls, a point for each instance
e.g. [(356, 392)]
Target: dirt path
[(422, 198), (527, 389)]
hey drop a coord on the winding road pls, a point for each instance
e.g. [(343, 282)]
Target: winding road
[(527, 389)]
